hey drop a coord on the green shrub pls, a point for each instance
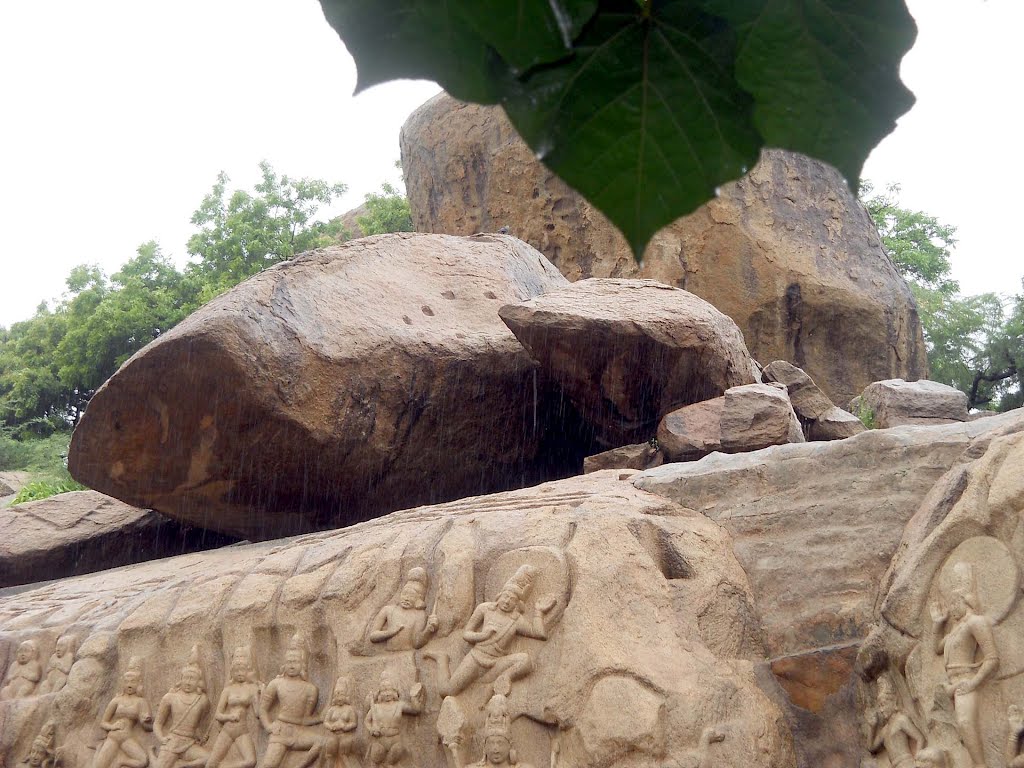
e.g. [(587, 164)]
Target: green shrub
[(44, 489)]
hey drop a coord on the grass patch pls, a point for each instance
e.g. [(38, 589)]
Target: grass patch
[(43, 458), (44, 489)]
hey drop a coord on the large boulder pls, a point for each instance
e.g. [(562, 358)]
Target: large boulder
[(896, 402), (346, 383), (85, 531), (632, 636), (746, 418), (626, 352), (787, 252), (815, 526), (821, 419)]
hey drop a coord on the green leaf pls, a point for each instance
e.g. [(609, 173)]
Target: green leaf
[(392, 39), (526, 33), (824, 73), (646, 120)]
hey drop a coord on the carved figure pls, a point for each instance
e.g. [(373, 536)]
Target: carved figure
[(961, 645), (292, 730), (24, 673), (239, 702), (181, 711), (43, 753), (893, 729), (59, 666), (1015, 737), (498, 750), (384, 720), (491, 631), (126, 717), (405, 625), (341, 721)]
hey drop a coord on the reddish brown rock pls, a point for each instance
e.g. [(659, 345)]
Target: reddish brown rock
[(626, 352), (692, 432), (787, 252), (343, 384), (84, 531)]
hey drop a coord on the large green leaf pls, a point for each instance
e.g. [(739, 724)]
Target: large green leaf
[(824, 73), (656, 103)]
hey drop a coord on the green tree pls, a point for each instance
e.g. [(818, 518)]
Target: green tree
[(974, 342), (242, 233), (386, 212)]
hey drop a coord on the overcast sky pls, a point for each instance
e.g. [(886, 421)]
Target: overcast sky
[(118, 114)]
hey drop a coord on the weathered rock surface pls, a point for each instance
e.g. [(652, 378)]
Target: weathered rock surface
[(626, 352), (815, 527), (949, 615), (820, 419), (787, 252), (346, 383), (745, 418), (895, 402), (638, 456), (634, 646), (85, 531)]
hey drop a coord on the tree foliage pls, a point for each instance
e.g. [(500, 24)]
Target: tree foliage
[(52, 364), (386, 212), (647, 106), (975, 343)]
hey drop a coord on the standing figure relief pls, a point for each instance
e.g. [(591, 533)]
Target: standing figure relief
[(405, 625), (963, 635), (125, 719), (59, 666), (341, 722), (293, 729), (182, 711), (384, 721), (237, 708), (491, 631), (892, 729)]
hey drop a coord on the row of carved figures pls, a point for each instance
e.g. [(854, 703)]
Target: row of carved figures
[(286, 707)]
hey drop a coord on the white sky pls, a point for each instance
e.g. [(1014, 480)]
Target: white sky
[(116, 115)]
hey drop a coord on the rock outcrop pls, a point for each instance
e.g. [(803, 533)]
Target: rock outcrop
[(587, 623), (896, 402), (944, 665), (346, 383), (787, 252), (85, 531), (815, 526), (626, 352), (746, 418), (820, 418)]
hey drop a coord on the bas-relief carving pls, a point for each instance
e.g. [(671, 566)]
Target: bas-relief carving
[(125, 720), (405, 626), (59, 666), (181, 713), (237, 711), (43, 752), (288, 712), (949, 701), (24, 674), (385, 721)]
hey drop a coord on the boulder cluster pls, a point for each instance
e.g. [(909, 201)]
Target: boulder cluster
[(547, 506)]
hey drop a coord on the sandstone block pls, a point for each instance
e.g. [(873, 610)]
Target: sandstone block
[(835, 424), (345, 383), (809, 402), (756, 416), (788, 252), (626, 352), (692, 432), (640, 456), (895, 402)]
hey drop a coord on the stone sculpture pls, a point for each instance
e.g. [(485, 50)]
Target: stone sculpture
[(385, 713), (497, 736), (292, 730), (239, 703), (931, 757), (405, 625), (1014, 737), (179, 716), (341, 722), (24, 673), (961, 644), (59, 665), (892, 729), (491, 631), (125, 719), (43, 753)]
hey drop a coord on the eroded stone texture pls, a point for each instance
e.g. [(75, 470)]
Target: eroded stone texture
[(787, 252), (895, 402), (815, 527), (820, 419), (626, 352), (348, 382), (84, 531), (638, 456), (582, 622), (944, 666)]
